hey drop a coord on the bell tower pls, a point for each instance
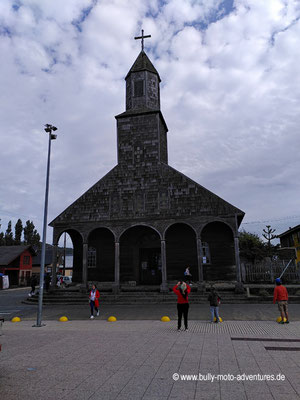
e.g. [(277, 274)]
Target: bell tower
[(142, 85), (141, 129)]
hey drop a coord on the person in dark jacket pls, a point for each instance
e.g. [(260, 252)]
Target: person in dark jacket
[(182, 291), (33, 283), (47, 282), (214, 301)]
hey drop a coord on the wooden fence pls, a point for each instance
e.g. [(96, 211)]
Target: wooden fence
[(268, 270)]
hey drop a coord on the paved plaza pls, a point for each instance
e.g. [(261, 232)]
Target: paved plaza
[(150, 360)]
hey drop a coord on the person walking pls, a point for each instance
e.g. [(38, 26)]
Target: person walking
[(94, 301), (214, 302), (47, 280), (33, 282), (281, 295), (182, 291)]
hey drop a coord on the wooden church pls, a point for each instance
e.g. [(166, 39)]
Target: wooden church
[(144, 222)]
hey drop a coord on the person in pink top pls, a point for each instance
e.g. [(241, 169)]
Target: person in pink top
[(281, 295)]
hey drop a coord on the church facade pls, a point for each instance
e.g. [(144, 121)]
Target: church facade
[(144, 221)]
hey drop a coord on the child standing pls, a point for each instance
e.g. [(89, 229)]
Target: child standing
[(94, 301), (214, 301), (281, 295)]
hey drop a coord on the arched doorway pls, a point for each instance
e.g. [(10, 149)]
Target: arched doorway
[(77, 243), (218, 239), (181, 251), (101, 255), (65, 255), (140, 256)]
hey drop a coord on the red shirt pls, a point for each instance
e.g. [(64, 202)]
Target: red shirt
[(97, 295), (181, 299), (280, 294)]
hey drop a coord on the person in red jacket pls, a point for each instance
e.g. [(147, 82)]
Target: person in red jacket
[(281, 295), (94, 301), (182, 290)]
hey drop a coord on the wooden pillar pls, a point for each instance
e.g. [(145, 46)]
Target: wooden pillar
[(54, 264), (116, 285), (200, 260), (237, 259), (163, 286), (84, 264), (239, 286), (200, 283)]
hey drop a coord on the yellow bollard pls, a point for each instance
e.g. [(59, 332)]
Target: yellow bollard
[(112, 319), (16, 319), (220, 319), (279, 319), (165, 319), (63, 319)]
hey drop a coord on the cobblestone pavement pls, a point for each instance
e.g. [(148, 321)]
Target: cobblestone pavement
[(148, 360)]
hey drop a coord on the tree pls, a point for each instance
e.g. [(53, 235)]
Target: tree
[(252, 248), (2, 241), (31, 235), (18, 232), (9, 240), (268, 235)]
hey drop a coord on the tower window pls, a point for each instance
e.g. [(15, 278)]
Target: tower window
[(139, 88)]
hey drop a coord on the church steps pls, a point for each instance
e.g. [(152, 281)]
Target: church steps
[(153, 298)]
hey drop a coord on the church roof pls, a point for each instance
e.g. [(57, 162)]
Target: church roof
[(144, 110), (142, 63), (184, 198)]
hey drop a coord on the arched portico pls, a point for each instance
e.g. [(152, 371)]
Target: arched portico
[(218, 251), (181, 251), (140, 256), (100, 255), (77, 242)]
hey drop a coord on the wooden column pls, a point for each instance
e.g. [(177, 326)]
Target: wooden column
[(239, 288), (200, 260), (54, 264), (237, 259), (84, 264), (116, 285), (163, 286)]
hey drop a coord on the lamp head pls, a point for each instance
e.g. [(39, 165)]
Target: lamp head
[(49, 128)]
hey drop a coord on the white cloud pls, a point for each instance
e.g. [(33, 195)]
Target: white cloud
[(230, 96)]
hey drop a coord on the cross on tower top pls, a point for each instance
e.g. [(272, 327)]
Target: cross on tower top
[(142, 37)]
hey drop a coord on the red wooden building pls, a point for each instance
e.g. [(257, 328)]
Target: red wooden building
[(16, 262)]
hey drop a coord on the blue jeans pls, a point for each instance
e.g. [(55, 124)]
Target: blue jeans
[(214, 313), (92, 305)]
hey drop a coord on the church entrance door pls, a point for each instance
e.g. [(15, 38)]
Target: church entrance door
[(150, 266)]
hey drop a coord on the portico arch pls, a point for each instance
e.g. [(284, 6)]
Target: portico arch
[(101, 255), (181, 251), (218, 239), (77, 242), (140, 255)]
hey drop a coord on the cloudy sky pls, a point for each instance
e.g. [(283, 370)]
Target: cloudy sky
[(230, 95)]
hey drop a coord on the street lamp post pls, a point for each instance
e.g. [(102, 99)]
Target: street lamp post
[(49, 129)]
